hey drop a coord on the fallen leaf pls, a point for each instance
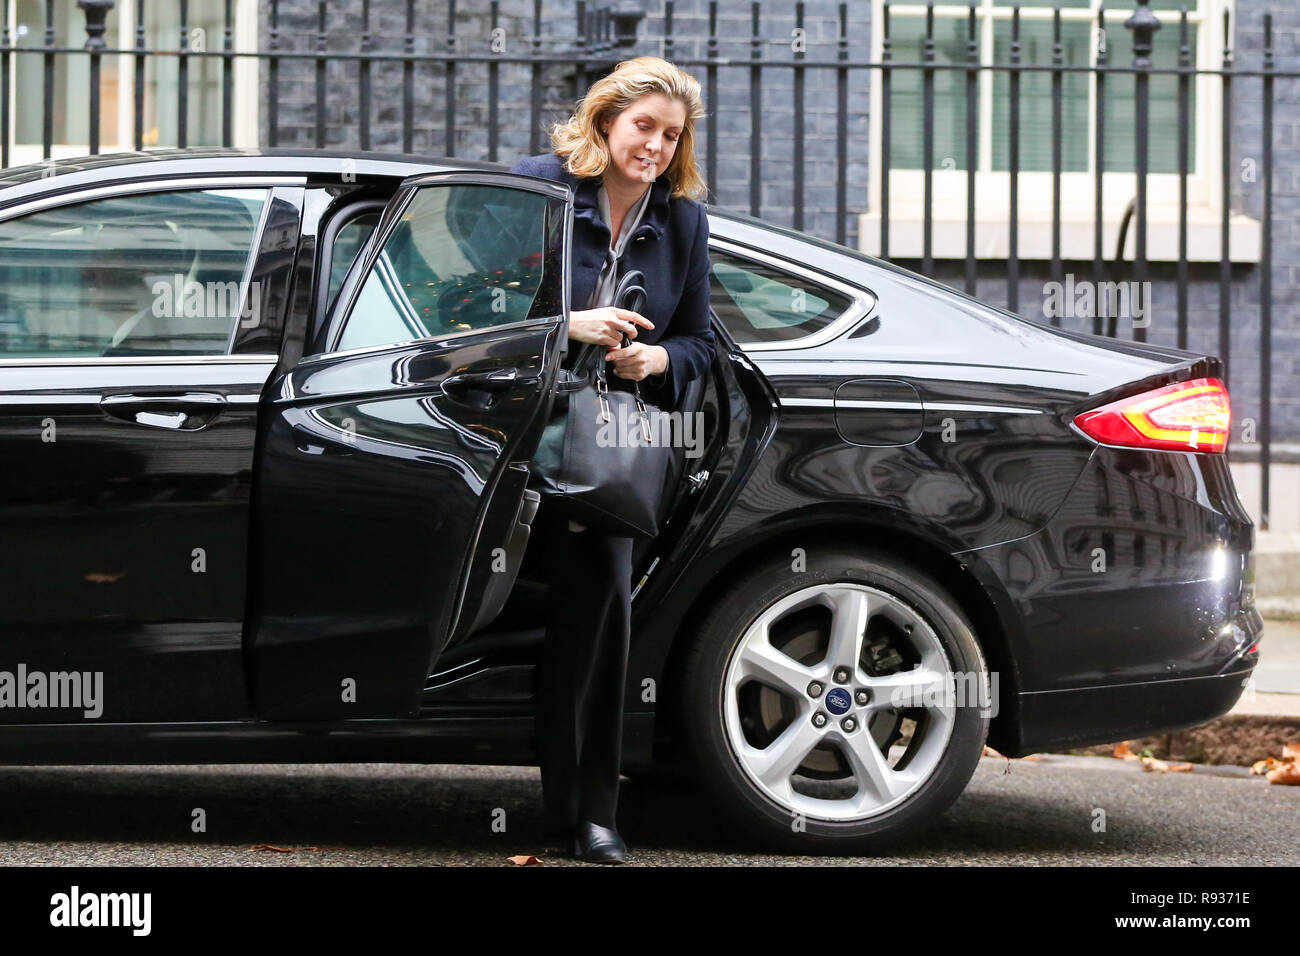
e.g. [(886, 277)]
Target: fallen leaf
[(524, 859), (1265, 765), (1123, 752), (1031, 757), (1291, 750), (990, 752), (1287, 774), (1155, 765)]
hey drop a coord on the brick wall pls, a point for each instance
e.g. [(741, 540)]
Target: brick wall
[(296, 91)]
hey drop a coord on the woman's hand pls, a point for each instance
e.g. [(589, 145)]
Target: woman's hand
[(606, 325), (638, 360)]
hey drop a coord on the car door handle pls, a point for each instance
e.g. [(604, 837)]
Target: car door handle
[(494, 380), (185, 411), (313, 444)]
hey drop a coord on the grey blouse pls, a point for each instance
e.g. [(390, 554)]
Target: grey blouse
[(603, 292)]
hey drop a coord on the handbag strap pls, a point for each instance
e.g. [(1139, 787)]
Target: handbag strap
[(631, 295)]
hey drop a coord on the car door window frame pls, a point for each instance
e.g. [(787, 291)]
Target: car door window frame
[(341, 311), (81, 196), (337, 223)]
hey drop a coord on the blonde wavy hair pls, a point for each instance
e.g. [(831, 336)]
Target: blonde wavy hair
[(578, 140)]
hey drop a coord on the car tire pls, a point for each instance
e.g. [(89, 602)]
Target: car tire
[(733, 740)]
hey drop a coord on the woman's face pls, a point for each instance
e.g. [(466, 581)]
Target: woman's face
[(643, 138)]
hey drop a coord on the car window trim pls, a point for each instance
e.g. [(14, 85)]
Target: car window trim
[(189, 184), (861, 301), (239, 358), (250, 264), (427, 340)]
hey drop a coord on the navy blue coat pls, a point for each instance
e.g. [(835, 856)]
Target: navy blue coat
[(670, 246)]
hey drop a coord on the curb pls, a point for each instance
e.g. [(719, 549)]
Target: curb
[(1267, 704), (1279, 608), (1234, 740), (1131, 766)]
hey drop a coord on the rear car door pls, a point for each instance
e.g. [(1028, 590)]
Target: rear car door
[(394, 455), (136, 326)]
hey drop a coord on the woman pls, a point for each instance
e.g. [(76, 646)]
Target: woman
[(628, 152)]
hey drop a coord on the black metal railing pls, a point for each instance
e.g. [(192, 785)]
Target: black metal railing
[(601, 36), (1142, 25)]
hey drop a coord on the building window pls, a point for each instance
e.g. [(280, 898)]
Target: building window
[(1081, 44), (71, 102)]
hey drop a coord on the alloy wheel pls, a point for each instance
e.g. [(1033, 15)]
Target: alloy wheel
[(837, 701)]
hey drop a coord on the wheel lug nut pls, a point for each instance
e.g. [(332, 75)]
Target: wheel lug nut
[(841, 675), (815, 689), (819, 719), (862, 697), (849, 725)]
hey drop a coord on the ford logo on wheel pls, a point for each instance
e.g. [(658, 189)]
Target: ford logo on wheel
[(838, 701)]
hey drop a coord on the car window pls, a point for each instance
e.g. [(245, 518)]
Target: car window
[(760, 303), (348, 243), (463, 257), (149, 274)]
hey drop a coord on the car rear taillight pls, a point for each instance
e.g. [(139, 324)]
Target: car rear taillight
[(1186, 416)]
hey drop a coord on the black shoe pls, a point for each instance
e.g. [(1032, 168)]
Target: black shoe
[(597, 844)]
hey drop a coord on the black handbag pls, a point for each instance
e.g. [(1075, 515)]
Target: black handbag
[(605, 454)]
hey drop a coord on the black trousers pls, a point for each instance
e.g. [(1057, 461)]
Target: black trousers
[(580, 677)]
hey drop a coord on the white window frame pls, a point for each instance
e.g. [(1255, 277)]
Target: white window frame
[(244, 75), (1034, 215)]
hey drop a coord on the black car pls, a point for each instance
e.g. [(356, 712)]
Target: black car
[(267, 420)]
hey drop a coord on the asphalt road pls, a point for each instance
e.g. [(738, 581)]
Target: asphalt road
[(1017, 812)]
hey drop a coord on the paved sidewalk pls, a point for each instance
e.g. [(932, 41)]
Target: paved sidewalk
[(1277, 678)]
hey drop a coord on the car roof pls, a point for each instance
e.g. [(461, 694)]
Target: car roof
[(24, 182), (208, 159), (18, 183), (21, 183)]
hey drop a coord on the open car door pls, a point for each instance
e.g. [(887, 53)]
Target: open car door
[(393, 461)]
